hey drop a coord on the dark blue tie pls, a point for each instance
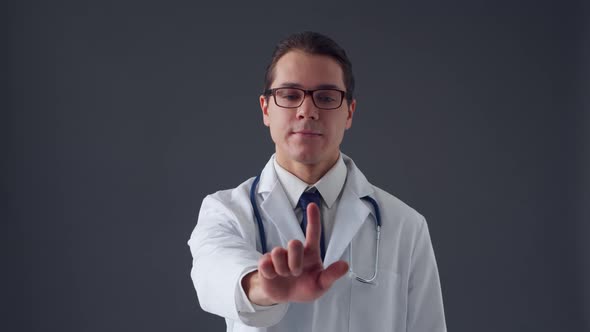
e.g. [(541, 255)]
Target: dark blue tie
[(306, 198)]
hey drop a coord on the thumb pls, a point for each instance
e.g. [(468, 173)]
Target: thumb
[(332, 273)]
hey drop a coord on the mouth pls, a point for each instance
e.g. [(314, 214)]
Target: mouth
[(307, 133)]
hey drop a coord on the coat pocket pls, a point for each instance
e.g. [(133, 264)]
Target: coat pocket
[(380, 306)]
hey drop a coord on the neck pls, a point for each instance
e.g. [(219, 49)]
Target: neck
[(308, 173)]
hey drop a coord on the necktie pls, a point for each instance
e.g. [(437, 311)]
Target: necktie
[(306, 198)]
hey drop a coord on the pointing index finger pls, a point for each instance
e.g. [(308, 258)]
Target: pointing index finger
[(312, 237)]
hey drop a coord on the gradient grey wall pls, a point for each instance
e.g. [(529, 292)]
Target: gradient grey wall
[(584, 163), (123, 115)]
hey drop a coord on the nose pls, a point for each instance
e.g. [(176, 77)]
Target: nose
[(308, 109)]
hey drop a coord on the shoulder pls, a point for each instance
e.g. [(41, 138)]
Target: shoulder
[(226, 211), (398, 219), (395, 207), (238, 198), (392, 208), (231, 200)]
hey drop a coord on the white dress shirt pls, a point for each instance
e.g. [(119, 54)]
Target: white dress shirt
[(329, 186)]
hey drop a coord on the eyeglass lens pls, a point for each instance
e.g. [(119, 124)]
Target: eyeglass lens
[(325, 99)]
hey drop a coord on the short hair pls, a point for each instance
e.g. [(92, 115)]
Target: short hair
[(316, 44)]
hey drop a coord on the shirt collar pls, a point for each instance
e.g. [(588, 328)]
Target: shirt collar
[(328, 185)]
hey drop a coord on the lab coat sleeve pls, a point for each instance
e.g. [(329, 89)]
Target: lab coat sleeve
[(425, 305), (242, 301), (221, 256)]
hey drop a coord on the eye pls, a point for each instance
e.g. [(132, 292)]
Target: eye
[(326, 99), (289, 94), (291, 97)]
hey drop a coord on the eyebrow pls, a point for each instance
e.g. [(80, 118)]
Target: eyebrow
[(297, 85)]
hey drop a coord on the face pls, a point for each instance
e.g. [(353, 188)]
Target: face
[(307, 135)]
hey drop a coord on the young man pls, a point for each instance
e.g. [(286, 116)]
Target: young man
[(310, 244)]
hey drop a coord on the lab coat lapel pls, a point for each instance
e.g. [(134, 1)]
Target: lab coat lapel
[(276, 206), (352, 212)]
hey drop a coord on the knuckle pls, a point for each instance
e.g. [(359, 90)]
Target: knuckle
[(276, 252), (264, 259), (265, 264), (295, 245)]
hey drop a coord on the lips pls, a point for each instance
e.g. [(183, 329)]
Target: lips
[(307, 133)]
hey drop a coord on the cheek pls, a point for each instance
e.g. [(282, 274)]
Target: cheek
[(337, 127), (279, 127)]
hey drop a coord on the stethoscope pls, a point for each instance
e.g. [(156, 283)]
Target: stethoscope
[(370, 280)]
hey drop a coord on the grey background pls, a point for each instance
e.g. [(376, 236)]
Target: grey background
[(121, 116)]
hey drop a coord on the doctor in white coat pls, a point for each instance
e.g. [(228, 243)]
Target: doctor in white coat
[(319, 256)]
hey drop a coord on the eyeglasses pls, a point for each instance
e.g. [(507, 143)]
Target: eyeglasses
[(325, 99)]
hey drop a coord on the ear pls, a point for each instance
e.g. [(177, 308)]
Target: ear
[(350, 111), (264, 108)]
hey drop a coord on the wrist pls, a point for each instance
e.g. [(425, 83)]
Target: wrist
[(252, 288)]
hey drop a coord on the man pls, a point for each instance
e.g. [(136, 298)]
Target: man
[(297, 248)]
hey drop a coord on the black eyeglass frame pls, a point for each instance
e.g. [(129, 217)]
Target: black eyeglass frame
[(272, 92)]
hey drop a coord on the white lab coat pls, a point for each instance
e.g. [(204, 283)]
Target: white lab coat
[(406, 297)]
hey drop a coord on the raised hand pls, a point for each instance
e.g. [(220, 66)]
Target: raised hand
[(294, 274)]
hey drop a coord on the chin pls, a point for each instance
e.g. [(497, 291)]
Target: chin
[(308, 161), (304, 157)]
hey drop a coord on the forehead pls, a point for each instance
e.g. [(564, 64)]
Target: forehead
[(309, 71)]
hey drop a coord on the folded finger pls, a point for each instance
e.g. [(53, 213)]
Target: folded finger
[(279, 260), (295, 257), (266, 268)]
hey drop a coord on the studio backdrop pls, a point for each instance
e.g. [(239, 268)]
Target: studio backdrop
[(123, 115)]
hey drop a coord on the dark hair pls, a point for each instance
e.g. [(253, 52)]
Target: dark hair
[(316, 44)]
